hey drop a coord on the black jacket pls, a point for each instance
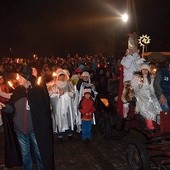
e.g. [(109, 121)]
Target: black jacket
[(38, 100)]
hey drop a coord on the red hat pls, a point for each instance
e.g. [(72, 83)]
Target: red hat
[(78, 70)]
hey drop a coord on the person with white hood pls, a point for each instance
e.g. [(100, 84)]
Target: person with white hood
[(62, 113), (83, 83), (146, 101)]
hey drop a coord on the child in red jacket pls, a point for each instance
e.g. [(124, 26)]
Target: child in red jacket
[(87, 109)]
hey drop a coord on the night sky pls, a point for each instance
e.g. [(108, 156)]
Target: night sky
[(60, 27)]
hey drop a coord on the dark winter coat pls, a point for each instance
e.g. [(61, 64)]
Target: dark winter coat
[(38, 101)]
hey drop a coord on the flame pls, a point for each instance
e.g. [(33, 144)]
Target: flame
[(17, 77), (54, 74), (105, 102), (10, 84), (155, 70), (17, 60), (39, 80)]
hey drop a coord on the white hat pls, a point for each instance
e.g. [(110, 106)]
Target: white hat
[(66, 72), (85, 73), (88, 90), (145, 66), (60, 72)]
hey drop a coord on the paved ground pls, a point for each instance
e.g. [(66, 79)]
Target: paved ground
[(97, 154)]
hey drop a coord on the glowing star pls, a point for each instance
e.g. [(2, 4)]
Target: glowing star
[(144, 40)]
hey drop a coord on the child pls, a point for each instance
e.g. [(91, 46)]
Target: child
[(86, 109)]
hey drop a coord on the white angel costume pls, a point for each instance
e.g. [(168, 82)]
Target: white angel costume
[(62, 108), (131, 63), (147, 104)]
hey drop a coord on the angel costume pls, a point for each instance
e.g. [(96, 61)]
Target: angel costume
[(147, 103), (62, 108), (131, 63)]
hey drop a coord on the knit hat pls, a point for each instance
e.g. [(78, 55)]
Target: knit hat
[(145, 66), (66, 72), (78, 70), (86, 90), (85, 73), (26, 72), (60, 73)]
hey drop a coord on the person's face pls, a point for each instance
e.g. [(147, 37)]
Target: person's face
[(85, 78), (61, 77), (87, 95), (34, 72), (145, 71)]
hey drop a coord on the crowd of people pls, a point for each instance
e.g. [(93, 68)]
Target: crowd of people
[(48, 96)]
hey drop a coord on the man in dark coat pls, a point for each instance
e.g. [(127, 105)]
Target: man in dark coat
[(32, 121)]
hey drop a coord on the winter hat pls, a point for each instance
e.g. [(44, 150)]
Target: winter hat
[(145, 66), (86, 90), (67, 73), (78, 70), (85, 73), (26, 72), (82, 67), (60, 71)]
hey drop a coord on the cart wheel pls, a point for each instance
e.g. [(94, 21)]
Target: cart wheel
[(137, 156)]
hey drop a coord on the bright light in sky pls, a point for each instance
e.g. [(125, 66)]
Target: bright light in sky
[(125, 17)]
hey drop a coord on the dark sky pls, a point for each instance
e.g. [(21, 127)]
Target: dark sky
[(68, 26)]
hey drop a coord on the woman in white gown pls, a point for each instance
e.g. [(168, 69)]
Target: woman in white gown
[(147, 104), (62, 110)]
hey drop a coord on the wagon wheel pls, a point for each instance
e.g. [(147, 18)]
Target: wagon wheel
[(137, 156)]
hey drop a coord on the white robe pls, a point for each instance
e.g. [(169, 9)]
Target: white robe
[(62, 107), (131, 63), (147, 103)]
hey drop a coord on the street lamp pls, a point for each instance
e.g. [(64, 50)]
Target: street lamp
[(125, 17)]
